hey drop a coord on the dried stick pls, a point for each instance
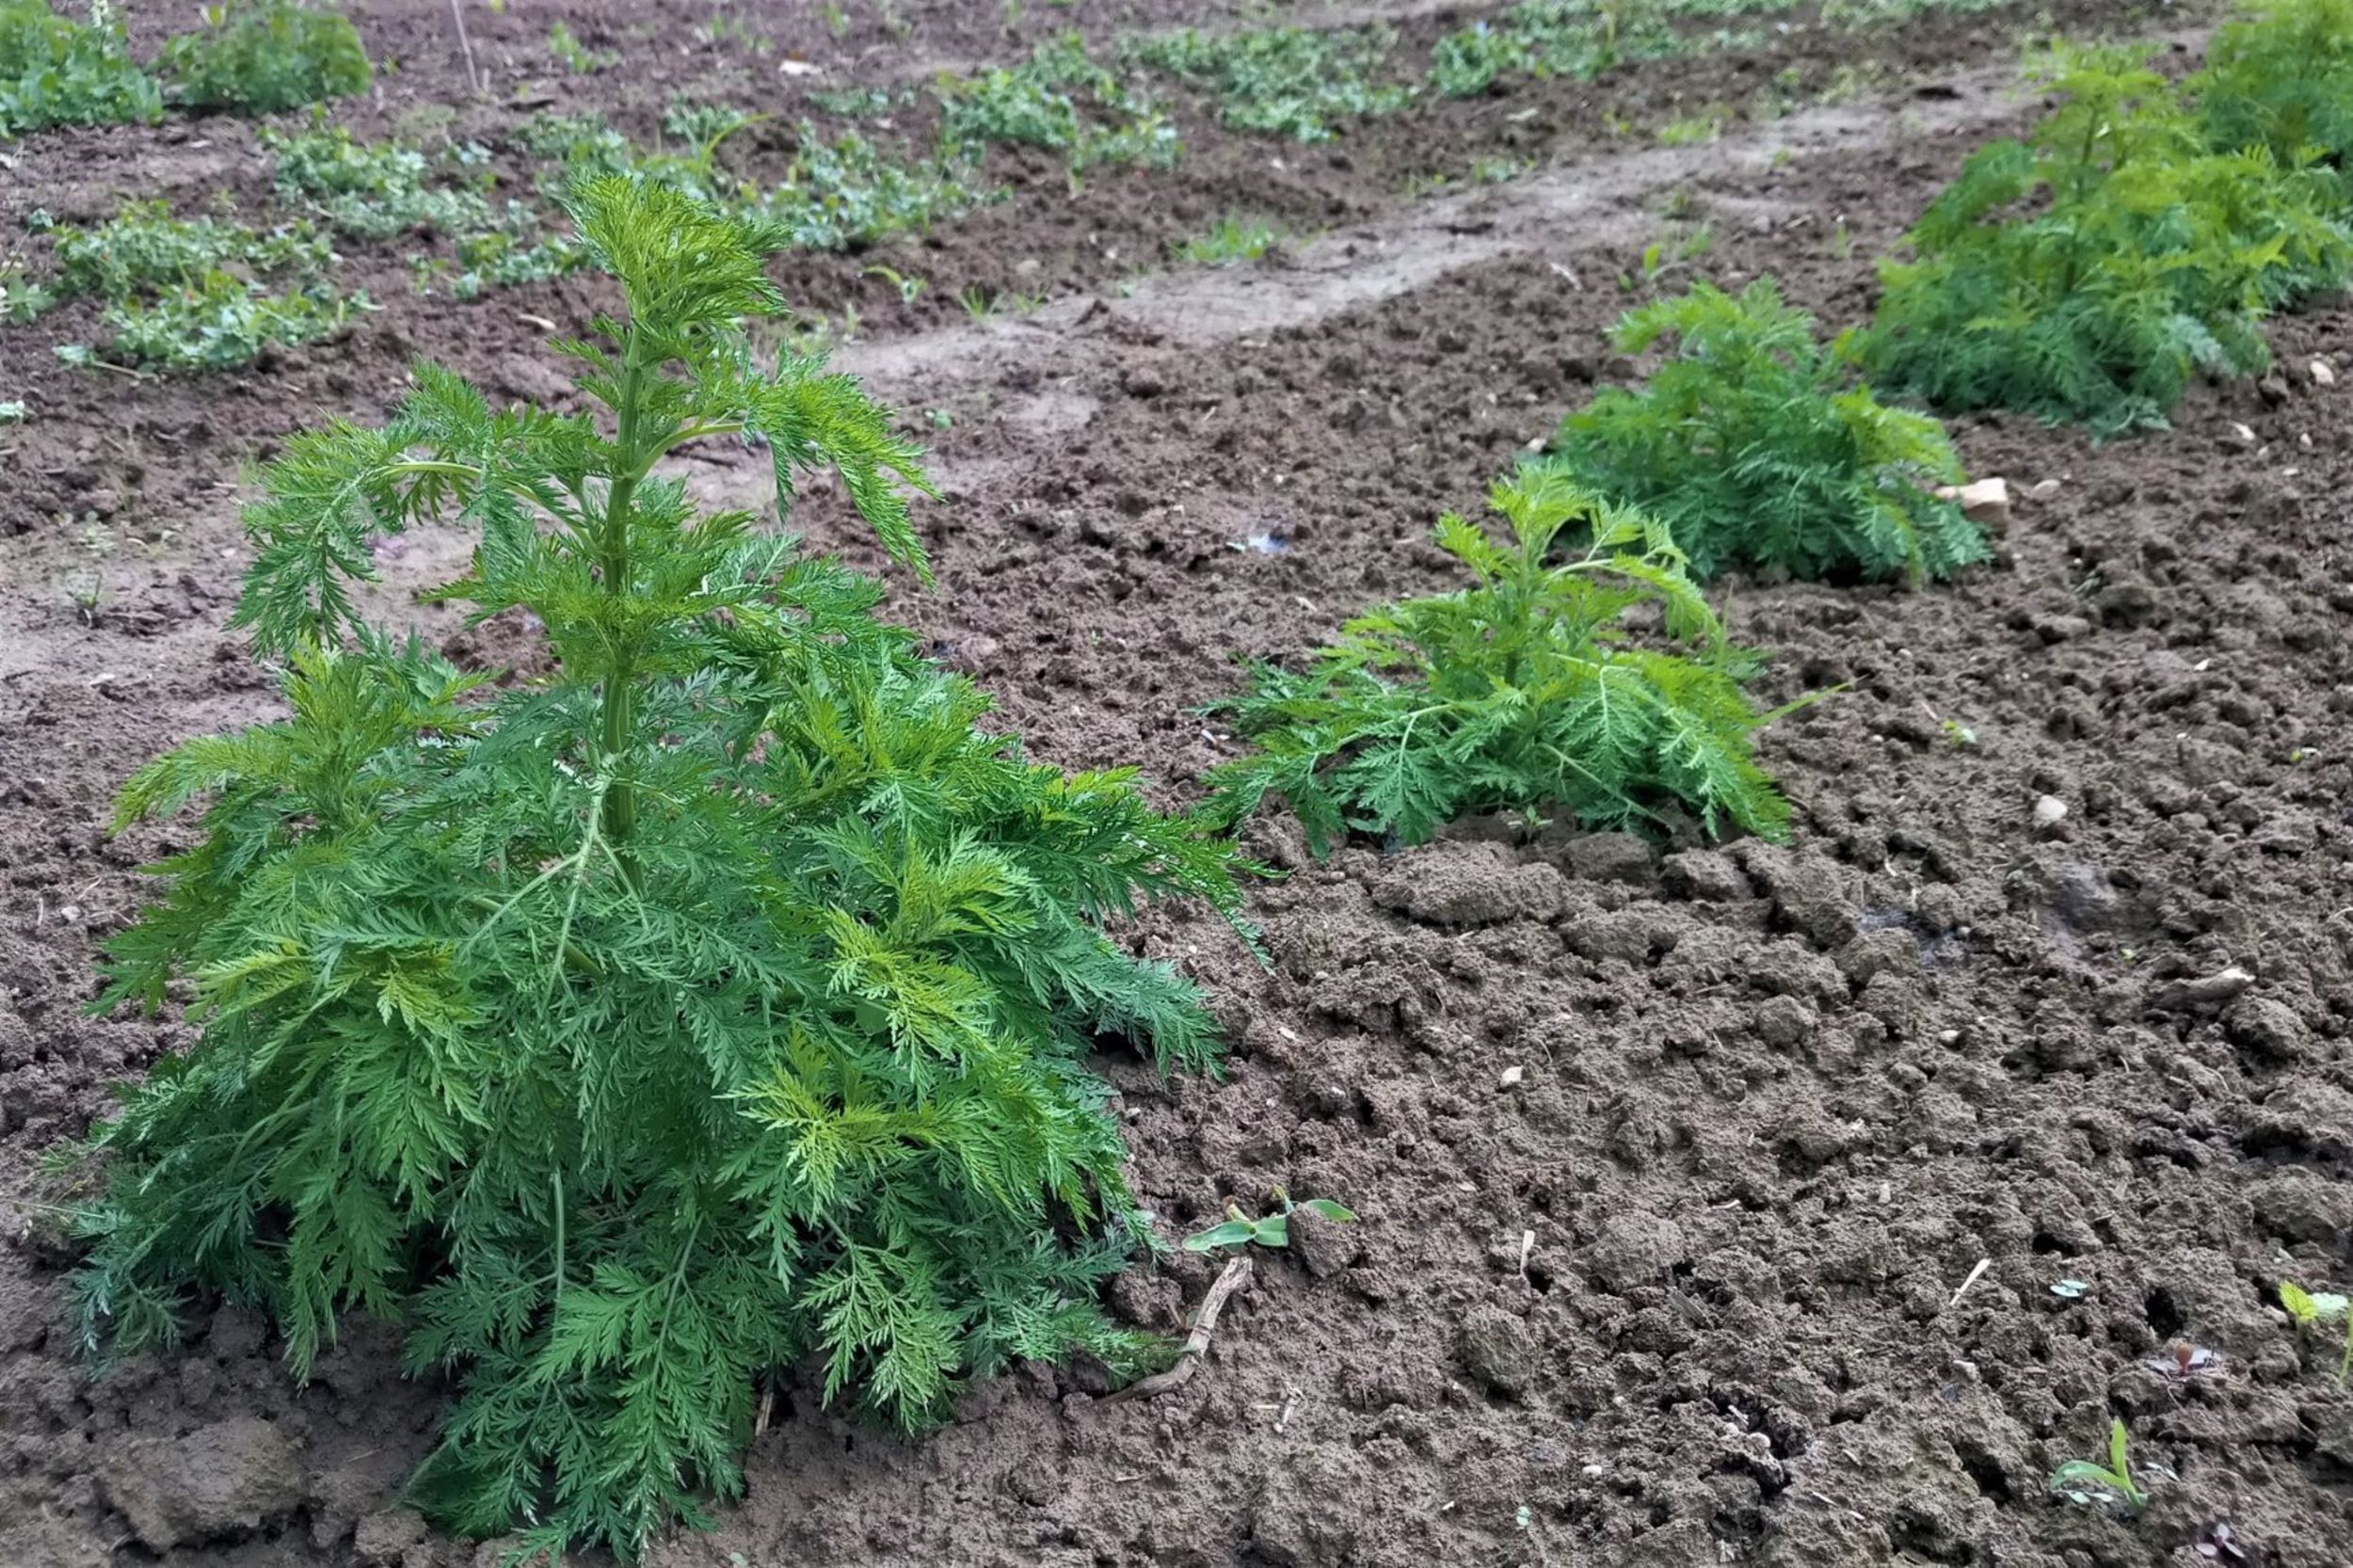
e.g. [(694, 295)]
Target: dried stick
[(1236, 1275), (465, 44)]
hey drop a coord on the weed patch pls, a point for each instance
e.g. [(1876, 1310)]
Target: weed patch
[(1290, 82)]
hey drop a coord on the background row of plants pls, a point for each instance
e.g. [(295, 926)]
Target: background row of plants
[(213, 291), (244, 57)]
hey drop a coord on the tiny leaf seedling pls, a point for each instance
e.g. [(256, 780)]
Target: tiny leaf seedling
[(1238, 1229), (2311, 1308), (2085, 1481)]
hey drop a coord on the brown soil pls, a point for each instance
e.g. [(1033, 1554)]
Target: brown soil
[(1677, 1165)]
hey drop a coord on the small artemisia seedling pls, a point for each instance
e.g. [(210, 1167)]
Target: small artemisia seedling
[(719, 1003), (1521, 692)]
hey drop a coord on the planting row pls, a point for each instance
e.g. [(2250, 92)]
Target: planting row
[(209, 292), (720, 1001)]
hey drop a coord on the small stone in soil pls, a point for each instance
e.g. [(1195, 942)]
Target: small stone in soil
[(1496, 1349)]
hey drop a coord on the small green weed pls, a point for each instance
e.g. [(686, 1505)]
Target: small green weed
[(856, 103), (1751, 445), (576, 57), (1697, 130), (1519, 693), (1229, 240), (57, 72), (2085, 1481), (1238, 1229), (1290, 82), (370, 190), (259, 57), (2311, 1308)]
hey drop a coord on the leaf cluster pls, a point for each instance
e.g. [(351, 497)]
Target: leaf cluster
[(2088, 273), (370, 190), (1542, 39), (2280, 77), (1296, 82), (143, 250), (2312, 1308), (1062, 100), (2085, 1480), (1753, 448), (55, 71), (1527, 691), (716, 1004), (220, 320), (259, 57)]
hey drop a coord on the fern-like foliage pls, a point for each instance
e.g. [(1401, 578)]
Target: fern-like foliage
[(2281, 77), (2088, 273), (1751, 445), (717, 1005), (1522, 692)]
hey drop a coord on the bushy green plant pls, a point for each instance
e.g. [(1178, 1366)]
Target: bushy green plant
[(1522, 693), (2088, 273), (1230, 240), (259, 57), (58, 72), (220, 321), (1753, 448), (2281, 77), (1296, 82), (718, 1001)]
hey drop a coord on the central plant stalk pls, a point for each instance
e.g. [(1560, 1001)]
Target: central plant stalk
[(620, 800)]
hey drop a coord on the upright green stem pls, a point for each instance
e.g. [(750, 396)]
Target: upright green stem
[(620, 800)]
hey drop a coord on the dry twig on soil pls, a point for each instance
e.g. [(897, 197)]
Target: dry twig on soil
[(1236, 1275)]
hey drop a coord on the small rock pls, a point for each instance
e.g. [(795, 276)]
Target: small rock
[(2049, 811), (382, 1538), (1496, 1349), (1325, 1247), (218, 1479), (1636, 1249), (1983, 500), (2268, 1027), (2321, 374), (2302, 1206), (2237, 436), (1510, 1077), (2273, 389), (2043, 490), (1142, 382), (1609, 858), (1707, 875)]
